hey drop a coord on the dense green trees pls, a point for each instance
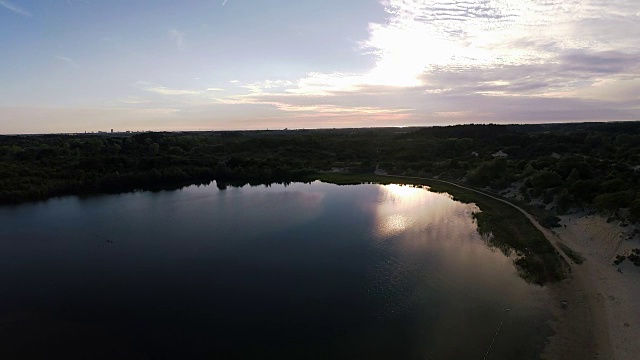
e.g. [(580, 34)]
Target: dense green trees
[(569, 165)]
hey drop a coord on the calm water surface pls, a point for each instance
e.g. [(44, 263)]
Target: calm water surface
[(308, 271)]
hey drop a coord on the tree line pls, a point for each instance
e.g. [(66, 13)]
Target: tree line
[(594, 165)]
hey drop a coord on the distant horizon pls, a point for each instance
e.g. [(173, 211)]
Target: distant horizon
[(74, 66), (125, 131)]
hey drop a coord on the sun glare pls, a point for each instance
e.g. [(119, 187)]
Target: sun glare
[(393, 213), (403, 192)]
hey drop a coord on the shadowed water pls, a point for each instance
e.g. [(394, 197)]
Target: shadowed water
[(308, 271)]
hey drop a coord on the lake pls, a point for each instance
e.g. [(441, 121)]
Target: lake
[(305, 271)]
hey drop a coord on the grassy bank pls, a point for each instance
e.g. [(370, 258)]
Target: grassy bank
[(535, 258)]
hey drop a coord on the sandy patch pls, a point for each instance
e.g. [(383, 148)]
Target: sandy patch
[(606, 298), (576, 334)]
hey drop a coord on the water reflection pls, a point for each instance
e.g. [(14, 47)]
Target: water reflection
[(415, 222), (402, 207), (436, 250), (313, 271)]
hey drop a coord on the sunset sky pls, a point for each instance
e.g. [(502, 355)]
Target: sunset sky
[(89, 65)]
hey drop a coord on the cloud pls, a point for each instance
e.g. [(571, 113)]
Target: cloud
[(66, 60), (224, 2), (163, 90), (319, 108), (320, 105), (420, 37), (600, 62), (570, 71), (166, 91), (439, 62), (179, 95), (132, 100), (15, 8), (177, 37), (441, 59), (268, 85)]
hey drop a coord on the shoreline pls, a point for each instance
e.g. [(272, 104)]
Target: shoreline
[(597, 315), (604, 322), (602, 316)]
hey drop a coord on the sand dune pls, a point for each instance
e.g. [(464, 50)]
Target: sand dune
[(609, 299)]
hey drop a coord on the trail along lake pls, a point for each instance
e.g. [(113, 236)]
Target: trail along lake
[(305, 271)]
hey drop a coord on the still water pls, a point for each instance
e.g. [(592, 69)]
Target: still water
[(306, 271)]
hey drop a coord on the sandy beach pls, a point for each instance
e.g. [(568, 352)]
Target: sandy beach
[(602, 316)]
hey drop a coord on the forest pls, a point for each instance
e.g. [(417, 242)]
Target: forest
[(556, 166)]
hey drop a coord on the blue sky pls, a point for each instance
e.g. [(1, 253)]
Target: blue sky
[(75, 66)]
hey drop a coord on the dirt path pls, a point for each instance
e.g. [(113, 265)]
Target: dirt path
[(582, 329)]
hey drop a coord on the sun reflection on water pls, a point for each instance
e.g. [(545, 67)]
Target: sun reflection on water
[(403, 192), (401, 207), (392, 219), (429, 234)]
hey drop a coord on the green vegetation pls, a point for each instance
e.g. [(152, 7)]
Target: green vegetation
[(564, 166), (504, 226), (575, 164), (573, 255)]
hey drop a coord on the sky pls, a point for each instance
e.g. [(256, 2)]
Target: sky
[(96, 65)]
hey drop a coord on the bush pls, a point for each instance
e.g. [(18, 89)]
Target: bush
[(545, 179), (612, 201)]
